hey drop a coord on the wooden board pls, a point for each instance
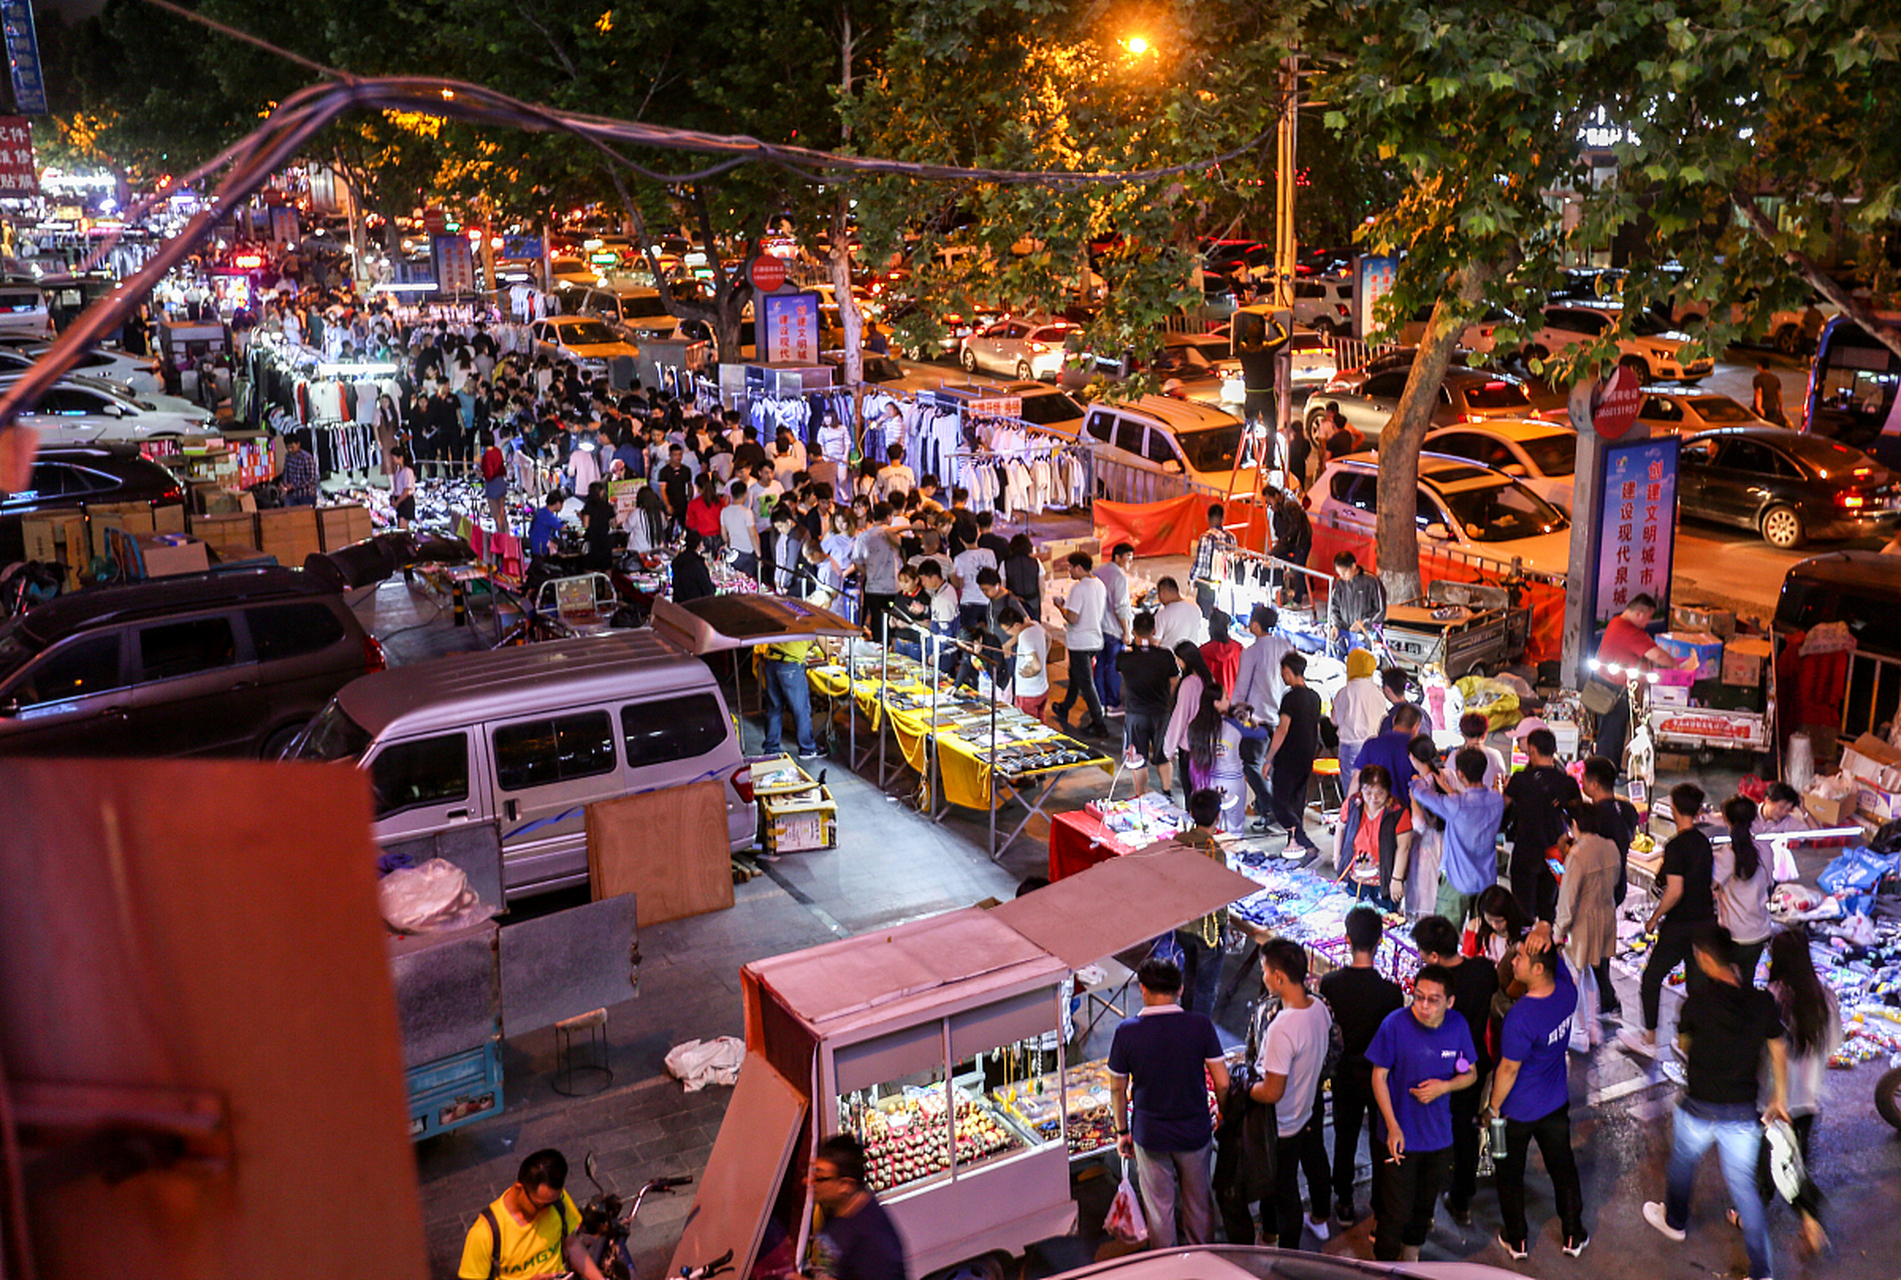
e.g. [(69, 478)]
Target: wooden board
[(669, 847), (750, 1159), (213, 927)]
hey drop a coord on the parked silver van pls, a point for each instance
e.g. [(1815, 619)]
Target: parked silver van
[(529, 737)]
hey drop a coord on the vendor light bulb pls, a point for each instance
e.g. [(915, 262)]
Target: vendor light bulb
[(1651, 676), (1593, 664)]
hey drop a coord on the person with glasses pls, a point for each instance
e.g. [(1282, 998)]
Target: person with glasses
[(529, 1230), (858, 1240), (1419, 1057)]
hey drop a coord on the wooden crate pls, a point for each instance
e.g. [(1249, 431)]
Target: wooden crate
[(233, 537), (343, 526), (168, 519), (289, 533), (798, 823)]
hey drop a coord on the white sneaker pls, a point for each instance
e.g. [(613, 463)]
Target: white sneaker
[(1322, 1232), (1655, 1215), (1632, 1040)]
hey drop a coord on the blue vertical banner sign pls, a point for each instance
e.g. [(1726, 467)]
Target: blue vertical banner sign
[(23, 56), (1639, 525), (791, 327), (1373, 277)]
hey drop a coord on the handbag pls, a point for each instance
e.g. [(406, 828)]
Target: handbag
[(1598, 697)]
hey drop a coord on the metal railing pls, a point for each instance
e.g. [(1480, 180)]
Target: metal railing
[(1873, 694), (1351, 353), (1121, 482)]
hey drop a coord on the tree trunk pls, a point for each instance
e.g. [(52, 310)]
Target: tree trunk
[(1852, 307), (1400, 441), (849, 319)]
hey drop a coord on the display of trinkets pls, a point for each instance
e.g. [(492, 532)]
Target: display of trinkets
[(906, 1140)]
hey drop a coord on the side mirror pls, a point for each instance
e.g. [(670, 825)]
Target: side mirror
[(1172, 467), (1437, 531), (1515, 469)]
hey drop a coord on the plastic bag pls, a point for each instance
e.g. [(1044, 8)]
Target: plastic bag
[(698, 1063), (430, 898), (1125, 1221), (1856, 870)]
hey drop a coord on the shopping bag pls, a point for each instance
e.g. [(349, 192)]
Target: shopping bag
[(1125, 1221)]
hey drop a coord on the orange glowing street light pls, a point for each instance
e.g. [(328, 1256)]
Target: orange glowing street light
[(1137, 45)]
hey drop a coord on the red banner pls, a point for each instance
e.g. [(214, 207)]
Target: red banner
[(18, 177)]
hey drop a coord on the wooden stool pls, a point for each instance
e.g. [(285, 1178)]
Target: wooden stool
[(568, 1054)]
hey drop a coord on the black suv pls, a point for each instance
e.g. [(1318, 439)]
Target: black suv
[(227, 663), (73, 477)]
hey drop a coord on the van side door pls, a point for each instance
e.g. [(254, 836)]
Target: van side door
[(70, 700), (419, 786), (546, 770), (196, 690)]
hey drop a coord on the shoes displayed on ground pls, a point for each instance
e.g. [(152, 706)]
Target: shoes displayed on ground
[(1516, 1252), (1572, 1248), (1632, 1040), (1656, 1216)]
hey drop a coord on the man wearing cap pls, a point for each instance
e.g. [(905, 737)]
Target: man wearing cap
[(1260, 686)]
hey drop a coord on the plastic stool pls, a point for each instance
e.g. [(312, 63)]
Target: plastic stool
[(1327, 770), (568, 1054)]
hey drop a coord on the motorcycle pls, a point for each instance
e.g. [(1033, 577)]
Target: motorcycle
[(604, 1228)]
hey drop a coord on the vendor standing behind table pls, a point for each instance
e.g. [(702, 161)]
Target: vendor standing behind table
[(1259, 687), (1356, 607), (1627, 644), (1213, 550)]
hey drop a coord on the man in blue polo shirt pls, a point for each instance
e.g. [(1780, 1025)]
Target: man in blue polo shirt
[(1161, 1054), (1531, 1090), (1419, 1056)]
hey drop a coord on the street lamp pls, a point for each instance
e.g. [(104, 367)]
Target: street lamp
[(1137, 45)]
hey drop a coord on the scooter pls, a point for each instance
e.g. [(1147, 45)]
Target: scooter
[(604, 1229)]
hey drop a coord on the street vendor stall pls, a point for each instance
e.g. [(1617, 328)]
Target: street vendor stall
[(1104, 829), (917, 1040)]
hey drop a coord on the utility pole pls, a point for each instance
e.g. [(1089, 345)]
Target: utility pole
[(1288, 134)]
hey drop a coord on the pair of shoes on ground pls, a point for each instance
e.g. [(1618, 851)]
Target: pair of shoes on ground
[(1519, 1252)]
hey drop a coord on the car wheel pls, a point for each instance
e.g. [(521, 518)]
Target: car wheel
[(280, 739), (1782, 527), (1788, 340), (1024, 372), (1325, 327), (1638, 365), (968, 359), (1533, 352)]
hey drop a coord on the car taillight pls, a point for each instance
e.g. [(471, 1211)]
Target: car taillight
[(1039, 347), (742, 783), (374, 656), (1850, 500), (1341, 307), (173, 494), (1475, 417)]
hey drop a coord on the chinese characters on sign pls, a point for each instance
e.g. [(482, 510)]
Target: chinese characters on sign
[(1638, 525), (1372, 278), (791, 328), (455, 264), (18, 178), (23, 56)]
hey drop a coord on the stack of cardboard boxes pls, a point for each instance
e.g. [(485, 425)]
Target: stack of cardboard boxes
[(1876, 768)]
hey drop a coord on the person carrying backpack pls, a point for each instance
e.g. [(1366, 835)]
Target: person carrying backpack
[(528, 1231)]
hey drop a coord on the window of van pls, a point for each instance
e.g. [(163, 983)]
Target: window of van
[(77, 669), (536, 753), (406, 775), (292, 630), (1099, 425), (1129, 436), (672, 729), (184, 648)]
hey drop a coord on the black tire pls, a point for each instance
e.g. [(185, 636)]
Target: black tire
[(1325, 327), (1788, 340), (1024, 372), (1888, 1097), (968, 359), (1781, 527), (1638, 363), (279, 739)]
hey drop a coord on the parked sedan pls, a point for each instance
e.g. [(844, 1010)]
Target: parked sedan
[(135, 374), (1542, 454), (1023, 349), (82, 411), (1686, 412), (68, 478), (1655, 350), (1460, 504), (1788, 486), (1466, 395), (584, 340)]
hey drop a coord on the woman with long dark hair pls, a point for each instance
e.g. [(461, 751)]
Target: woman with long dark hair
[(1214, 756), (1813, 1021), (1195, 678), (1742, 882)]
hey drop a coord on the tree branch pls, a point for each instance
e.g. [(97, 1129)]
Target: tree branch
[(1851, 306)]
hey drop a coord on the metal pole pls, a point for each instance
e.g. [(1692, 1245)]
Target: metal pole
[(884, 677), (931, 770), (851, 701), (995, 773)]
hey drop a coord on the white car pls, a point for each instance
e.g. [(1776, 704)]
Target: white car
[(136, 374), (1542, 454), (632, 311), (1682, 412), (1022, 349), (583, 340), (76, 411), (1170, 436), (1460, 504), (1656, 351), (1324, 304)]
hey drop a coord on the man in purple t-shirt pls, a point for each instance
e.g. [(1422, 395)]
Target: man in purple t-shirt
[(1165, 1056), (1532, 1091)]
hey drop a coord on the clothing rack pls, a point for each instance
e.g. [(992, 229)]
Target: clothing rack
[(1032, 475)]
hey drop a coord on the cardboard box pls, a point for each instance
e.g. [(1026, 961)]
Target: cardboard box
[(1878, 803), (343, 526), (1669, 695), (289, 533), (57, 538), (1707, 648), (1744, 658), (231, 537), (1829, 812), (163, 555), (1720, 623), (168, 519), (1870, 759)]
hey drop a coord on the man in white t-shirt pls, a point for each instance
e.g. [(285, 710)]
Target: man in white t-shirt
[(973, 606), (761, 494), (737, 529), (1084, 609), (1292, 1054), (943, 597), (894, 478), (1029, 646), (1178, 619)]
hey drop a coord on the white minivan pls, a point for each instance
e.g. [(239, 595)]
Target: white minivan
[(528, 737), (1165, 436)]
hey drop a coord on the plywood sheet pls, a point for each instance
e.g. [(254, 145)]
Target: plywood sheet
[(669, 848), (749, 1161), (568, 963), (211, 926)]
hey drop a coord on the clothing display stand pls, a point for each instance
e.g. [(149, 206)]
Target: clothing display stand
[(1010, 481)]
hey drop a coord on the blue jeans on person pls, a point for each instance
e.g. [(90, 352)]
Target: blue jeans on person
[(1201, 970), (1178, 1186), (1349, 759), (1108, 679), (786, 689), (1735, 1130)]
